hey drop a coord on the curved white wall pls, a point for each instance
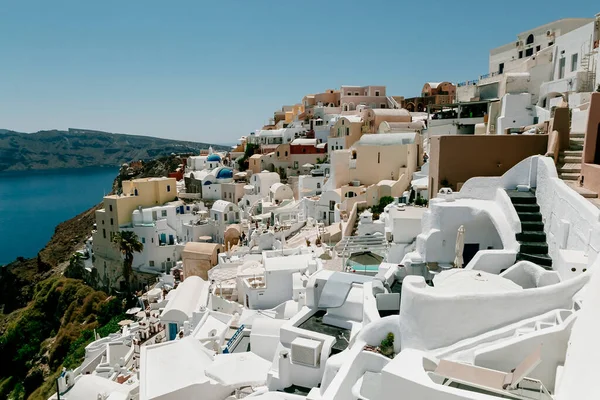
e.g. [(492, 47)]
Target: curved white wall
[(430, 320)]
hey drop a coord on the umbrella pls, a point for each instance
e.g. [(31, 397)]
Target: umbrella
[(460, 244), (308, 165)]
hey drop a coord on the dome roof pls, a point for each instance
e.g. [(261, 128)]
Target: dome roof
[(213, 157), (225, 173)]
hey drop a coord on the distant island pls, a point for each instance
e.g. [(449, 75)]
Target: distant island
[(78, 148)]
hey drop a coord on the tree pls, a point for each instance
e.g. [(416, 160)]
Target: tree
[(128, 243), (76, 268)]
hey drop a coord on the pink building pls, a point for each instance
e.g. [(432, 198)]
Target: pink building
[(371, 96)]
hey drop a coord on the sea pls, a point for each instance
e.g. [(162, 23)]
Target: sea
[(32, 203)]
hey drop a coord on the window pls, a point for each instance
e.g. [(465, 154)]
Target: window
[(501, 68), (574, 62), (225, 217), (356, 94), (143, 240), (349, 94), (102, 222), (112, 221), (347, 131), (151, 263), (378, 158), (382, 105), (168, 188), (377, 93), (529, 52), (331, 205), (342, 122), (537, 48), (520, 53), (104, 233), (163, 213), (529, 39), (318, 185), (561, 68), (286, 153), (277, 154), (550, 43), (110, 207)]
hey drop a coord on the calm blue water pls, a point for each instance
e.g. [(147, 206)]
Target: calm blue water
[(32, 203)]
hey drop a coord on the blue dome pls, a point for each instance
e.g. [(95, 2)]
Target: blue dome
[(213, 157), (225, 173)]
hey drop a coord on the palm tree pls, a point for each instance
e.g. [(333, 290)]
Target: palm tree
[(128, 243)]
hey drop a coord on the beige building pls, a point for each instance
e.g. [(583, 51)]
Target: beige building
[(198, 258), (329, 98), (375, 117), (453, 159), (117, 211), (378, 164), (346, 131)]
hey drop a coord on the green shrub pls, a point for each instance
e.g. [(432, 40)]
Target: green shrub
[(388, 341), (383, 202)]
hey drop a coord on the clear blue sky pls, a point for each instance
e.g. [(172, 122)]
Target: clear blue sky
[(213, 71)]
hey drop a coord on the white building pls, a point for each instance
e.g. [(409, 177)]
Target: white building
[(263, 181), (188, 298)]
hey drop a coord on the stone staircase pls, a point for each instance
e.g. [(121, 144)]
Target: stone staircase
[(532, 239), (569, 161), (569, 167)]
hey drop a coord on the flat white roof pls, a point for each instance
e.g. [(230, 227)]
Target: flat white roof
[(211, 323), (168, 367), (386, 139), (407, 212), (236, 370), (295, 262), (90, 386), (458, 280)]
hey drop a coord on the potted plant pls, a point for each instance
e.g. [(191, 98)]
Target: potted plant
[(387, 345)]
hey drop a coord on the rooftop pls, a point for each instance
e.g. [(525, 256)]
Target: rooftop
[(187, 297), (172, 366), (387, 139)]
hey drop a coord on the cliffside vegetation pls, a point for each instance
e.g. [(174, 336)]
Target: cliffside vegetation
[(48, 319), (47, 314)]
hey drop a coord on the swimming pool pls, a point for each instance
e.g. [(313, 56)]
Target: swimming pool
[(358, 267)]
